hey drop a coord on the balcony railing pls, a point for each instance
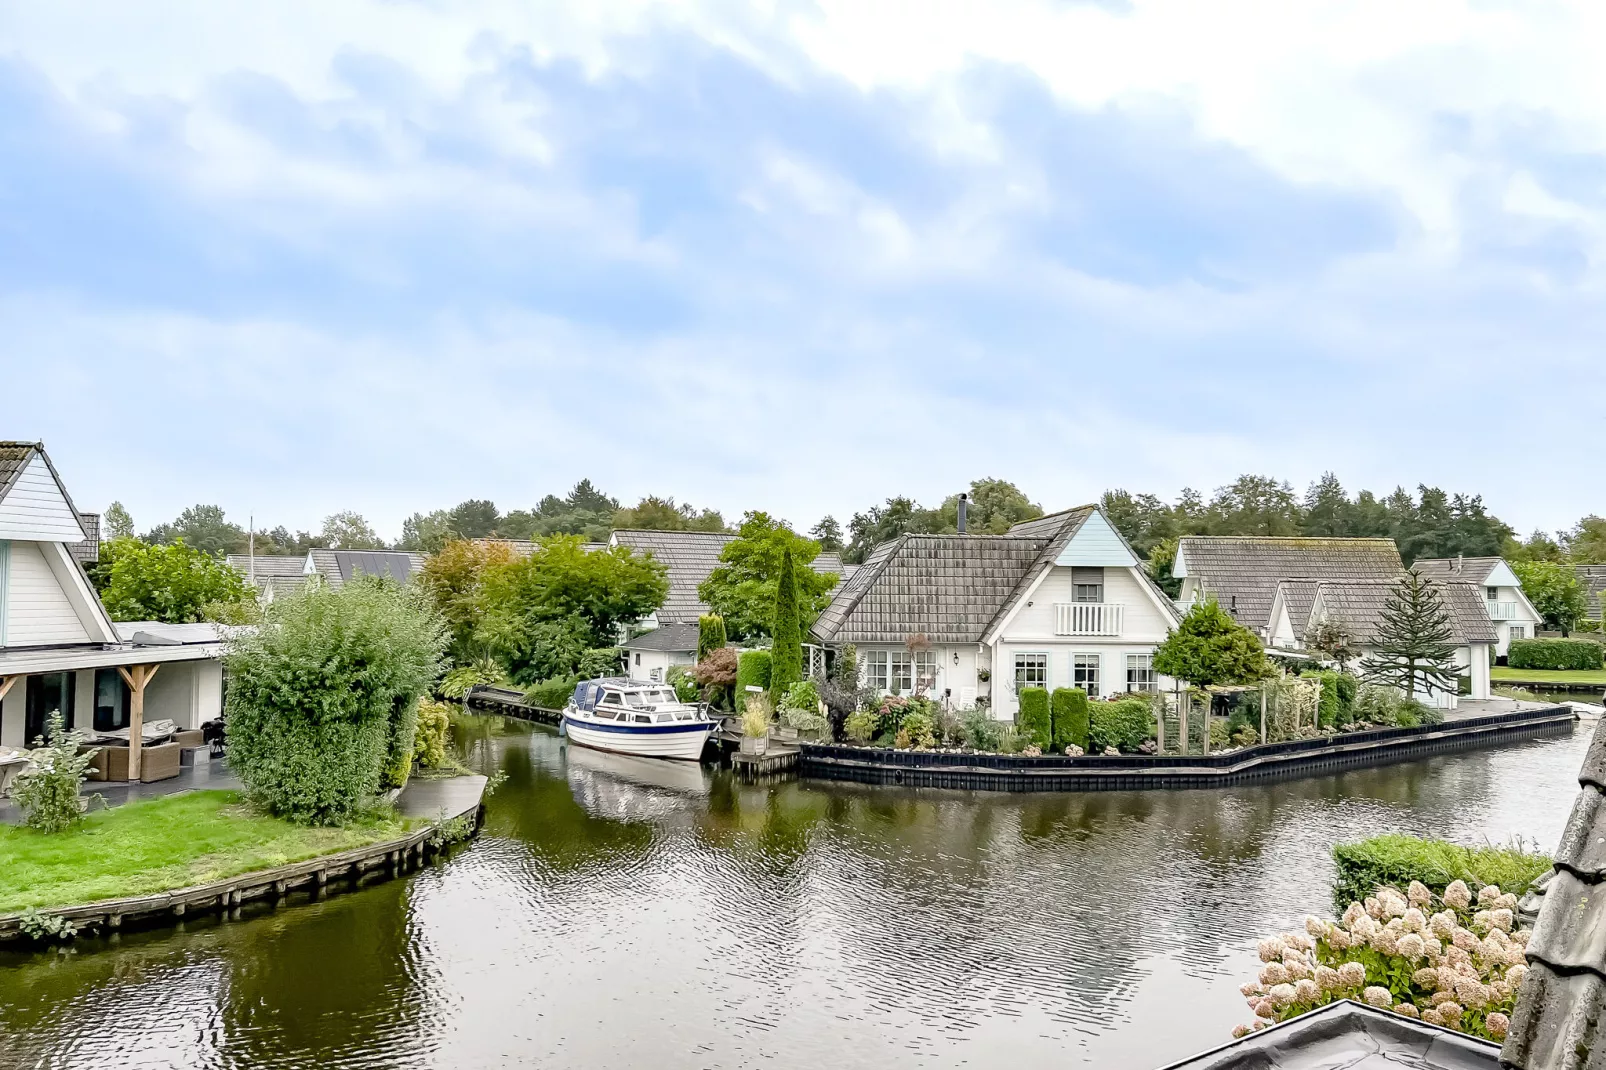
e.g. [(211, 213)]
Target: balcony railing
[(1088, 618), (1502, 610)]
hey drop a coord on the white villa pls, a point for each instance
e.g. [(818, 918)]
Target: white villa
[(59, 650), (1061, 601), (1514, 616)]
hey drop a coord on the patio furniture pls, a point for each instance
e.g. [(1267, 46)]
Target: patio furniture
[(12, 762), (190, 737), (160, 762), (110, 763), (189, 756), (150, 732)]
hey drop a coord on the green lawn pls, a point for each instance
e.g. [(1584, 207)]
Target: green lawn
[(152, 846), (1553, 676)]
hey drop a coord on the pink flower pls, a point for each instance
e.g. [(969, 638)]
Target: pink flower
[(1406, 1009), (1273, 973), (1306, 990), (1271, 949), (1410, 945), (1327, 978), (1239, 1031), (1449, 1010), (1266, 1009), (1248, 988), (1281, 995), (1418, 894), (1415, 921), (1427, 977), (1315, 926), (1516, 973), (1488, 894), (1502, 919), (1443, 924), (1374, 907), (1431, 1016)]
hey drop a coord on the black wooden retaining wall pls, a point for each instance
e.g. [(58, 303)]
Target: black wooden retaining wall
[(1274, 761)]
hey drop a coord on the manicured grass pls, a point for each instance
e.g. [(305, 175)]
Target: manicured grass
[(160, 844), (1552, 676)]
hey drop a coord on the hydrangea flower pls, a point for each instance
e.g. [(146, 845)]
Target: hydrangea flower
[(1418, 894), (1457, 895), (1352, 974), (1498, 1025), (1378, 996)]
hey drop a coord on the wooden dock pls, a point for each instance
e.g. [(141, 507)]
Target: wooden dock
[(779, 759), (509, 703)]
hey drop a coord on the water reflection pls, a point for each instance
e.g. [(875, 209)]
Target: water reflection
[(618, 912)]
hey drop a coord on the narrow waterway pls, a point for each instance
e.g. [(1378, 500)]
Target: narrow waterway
[(619, 913)]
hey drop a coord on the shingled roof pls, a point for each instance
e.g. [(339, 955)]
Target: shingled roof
[(1299, 596), (675, 637), (1561, 1007), (14, 459), (690, 556), (1469, 569), (338, 566), (1242, 572), (947, 587), (1360, 606)]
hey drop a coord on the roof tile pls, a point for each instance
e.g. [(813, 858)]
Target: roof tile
[(1242, 571)]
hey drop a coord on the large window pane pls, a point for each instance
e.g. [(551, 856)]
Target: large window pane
[(1031, 670), (47, 694), (111, 700), (875, 667), (925, 669), (1140, 672), (1085, 673), (903, 673)]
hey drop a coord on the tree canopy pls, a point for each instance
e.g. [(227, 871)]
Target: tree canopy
[(1556, 592), (173, 583), (742, 587), (349, 531), (995, 506), (653, 513), (1209, 647)]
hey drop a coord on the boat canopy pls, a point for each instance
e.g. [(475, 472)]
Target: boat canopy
[(587, 694)]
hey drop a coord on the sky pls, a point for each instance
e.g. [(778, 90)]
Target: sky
[(387, 255)]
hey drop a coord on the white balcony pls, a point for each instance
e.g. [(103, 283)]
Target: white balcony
[(1088, 618), (1502, 610)]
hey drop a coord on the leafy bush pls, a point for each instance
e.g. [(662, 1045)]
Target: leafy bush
[(1034, 719), (685, 684), (805, 720), (456, 683), (172, 583), (1395, 861), (1068, 706), (600, 661), (1455, 963), (752, 670), (917, 730), (47, 792), (861, 726), (323, 697), (1575, 654), (434, 730), (1123, 724), (982, 731), (717, 675), (401, 734), (551, 694), (802, 695)]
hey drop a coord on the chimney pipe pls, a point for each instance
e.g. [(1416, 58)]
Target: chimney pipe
[(964, 505)]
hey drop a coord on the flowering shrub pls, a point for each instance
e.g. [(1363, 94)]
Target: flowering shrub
[(861, 725), (1457, 967), (916, 731)]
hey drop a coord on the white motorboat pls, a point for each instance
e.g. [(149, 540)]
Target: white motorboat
[(636, 717)]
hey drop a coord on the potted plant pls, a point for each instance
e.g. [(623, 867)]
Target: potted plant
[(756, 725)]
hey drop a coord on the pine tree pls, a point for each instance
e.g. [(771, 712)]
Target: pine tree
[(786, 667), (1414, 639), (710, 634)]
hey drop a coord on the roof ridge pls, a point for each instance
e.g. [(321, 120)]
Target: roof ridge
[(677, 531), (1297, 538)]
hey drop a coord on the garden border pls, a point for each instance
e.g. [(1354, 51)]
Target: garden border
[(1294, 758), (351, 868)]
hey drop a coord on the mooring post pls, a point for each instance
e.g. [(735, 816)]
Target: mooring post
[(1263, 716)]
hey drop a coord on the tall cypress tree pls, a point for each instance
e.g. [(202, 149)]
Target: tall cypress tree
[(710, 634), (786, 666), (1414, 639)]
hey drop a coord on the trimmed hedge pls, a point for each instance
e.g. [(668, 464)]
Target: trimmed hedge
[(1071, 719), (1396, 861), (1033, 719), (752, 668), (1554, 654), (1123, 724)]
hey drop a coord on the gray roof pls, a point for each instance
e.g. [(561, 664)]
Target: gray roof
[(86, 553), (1298, 596), (1594, 581), (279, 573), (1561, 1006), (1360, 606), (948, 587), (338, 566), (677, 637), (1242, 571), (690, 556), (1470, 569), (1352, 1036)]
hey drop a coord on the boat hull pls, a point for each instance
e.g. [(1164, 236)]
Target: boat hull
[(682, 740)]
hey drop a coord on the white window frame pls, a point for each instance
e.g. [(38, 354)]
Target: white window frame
[(925, 670), (876, 670), (1021, 685), (1078, 672), (902, 674), (1516, 631), (1141, 663)]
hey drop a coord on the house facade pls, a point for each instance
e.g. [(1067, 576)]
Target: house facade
[(1300, 607), (1061, 601), (1513, 615), (59, 650), (650, 655)]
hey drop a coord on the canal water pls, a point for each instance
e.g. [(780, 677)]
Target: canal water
[(617, 913)]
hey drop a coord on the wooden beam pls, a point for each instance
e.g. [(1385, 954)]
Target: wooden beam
[(5, 685), (127, 679), (137, 676)]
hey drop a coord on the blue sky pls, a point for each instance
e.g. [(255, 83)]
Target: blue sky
[(800, 256)]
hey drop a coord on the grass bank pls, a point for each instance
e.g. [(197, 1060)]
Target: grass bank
[(1540, 677), (160, 844), (1398, 860)]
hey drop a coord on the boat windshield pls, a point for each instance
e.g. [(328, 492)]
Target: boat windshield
[(639, 699)]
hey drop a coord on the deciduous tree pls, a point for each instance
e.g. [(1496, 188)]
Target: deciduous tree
[(170, 582), (1209, 647), (742, 587), (349, 531), (1556, 592)]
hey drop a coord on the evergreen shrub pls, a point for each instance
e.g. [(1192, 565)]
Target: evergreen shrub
[(710, 634), (1561, 654), (1395, 861), (1034, 718), (752, 670), (433, 733), (1071, 718), (1123, 724)]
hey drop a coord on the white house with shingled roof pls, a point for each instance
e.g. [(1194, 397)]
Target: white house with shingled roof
[(1061, 601)]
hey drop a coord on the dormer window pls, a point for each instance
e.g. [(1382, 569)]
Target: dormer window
[(1087, 584)]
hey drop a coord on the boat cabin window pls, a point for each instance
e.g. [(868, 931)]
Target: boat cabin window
[(612, 697), (643, 718), (665, 718)]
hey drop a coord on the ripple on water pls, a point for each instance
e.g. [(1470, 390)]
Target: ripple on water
[(625, 914)]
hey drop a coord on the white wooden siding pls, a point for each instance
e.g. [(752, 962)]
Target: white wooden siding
[(38, 611), (1096, 543), (36, 509), (1142, 619)]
